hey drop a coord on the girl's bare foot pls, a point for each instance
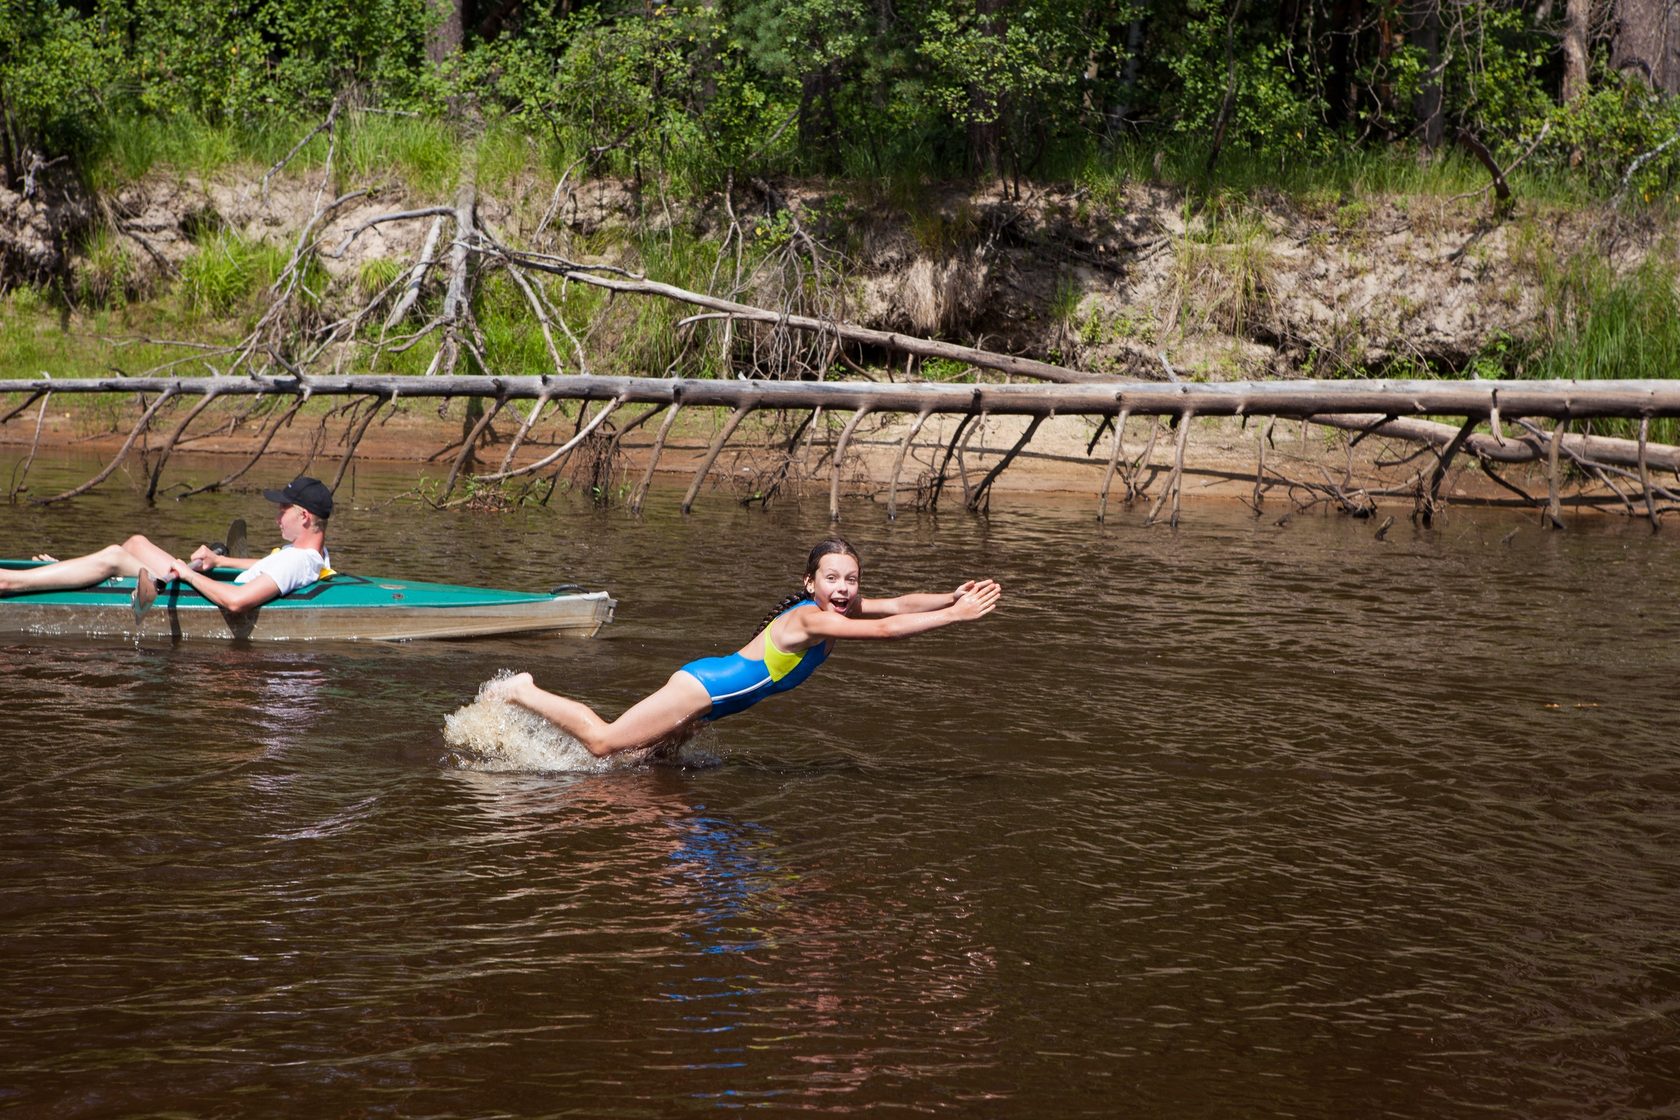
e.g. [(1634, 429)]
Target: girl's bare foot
[(503, 688)]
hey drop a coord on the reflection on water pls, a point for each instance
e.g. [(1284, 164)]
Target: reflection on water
[(1246, 819)]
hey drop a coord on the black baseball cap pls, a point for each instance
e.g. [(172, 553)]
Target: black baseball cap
[(310, 493)]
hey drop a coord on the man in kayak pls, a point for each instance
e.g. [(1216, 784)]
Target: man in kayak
[(305, 505)]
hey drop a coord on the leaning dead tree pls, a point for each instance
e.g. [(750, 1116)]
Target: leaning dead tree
[(1513, 411)]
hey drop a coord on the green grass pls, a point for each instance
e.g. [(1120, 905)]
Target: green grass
[(39, 336), (1604, 324), (130, 147), (507, 152), (375, 274), (107, 273), (423, 152), (426, 153), (1345, 172), (227, 271), (1600, 323)]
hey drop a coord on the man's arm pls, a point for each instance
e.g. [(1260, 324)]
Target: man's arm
[(204, 558), (231, 597)]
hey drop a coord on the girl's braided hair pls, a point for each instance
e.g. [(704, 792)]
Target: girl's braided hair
[(828, 546)]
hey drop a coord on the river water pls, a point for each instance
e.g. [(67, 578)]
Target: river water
[(1243, 819)]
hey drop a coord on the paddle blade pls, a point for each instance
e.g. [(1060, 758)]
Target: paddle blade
[(145, 593), (236, 545)]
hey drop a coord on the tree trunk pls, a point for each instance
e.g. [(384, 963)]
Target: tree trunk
[(1122, 110), (819, 125), (1380, 403), (1646, 41), (985, 106), (1576, 20), (444, 38), (1229, 105), (1426, 35)]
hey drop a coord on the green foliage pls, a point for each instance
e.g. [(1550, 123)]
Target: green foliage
[(610, 91), (1496, 87), (1608, 131), (226, 270), (1271, 115), (683, 95), (226, 62), (985, 69), (53, 69)]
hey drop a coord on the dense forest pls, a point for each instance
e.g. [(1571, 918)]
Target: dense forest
[(1005, 89)]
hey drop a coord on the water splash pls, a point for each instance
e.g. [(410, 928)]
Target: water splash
[(492, 734)]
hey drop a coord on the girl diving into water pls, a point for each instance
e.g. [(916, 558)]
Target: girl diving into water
[(792, 641)]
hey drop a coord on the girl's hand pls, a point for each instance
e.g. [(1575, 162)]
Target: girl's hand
[(976, 599)]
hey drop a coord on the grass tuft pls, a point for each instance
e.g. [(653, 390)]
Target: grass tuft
[(1226, 269), (226, 271)]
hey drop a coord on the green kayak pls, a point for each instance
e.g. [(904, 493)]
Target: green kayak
[(344, 607)]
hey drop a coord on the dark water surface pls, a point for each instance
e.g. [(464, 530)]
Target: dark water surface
[(1239, 820)]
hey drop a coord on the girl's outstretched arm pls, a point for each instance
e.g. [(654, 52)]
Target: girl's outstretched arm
[(916, 603), (807, 626)]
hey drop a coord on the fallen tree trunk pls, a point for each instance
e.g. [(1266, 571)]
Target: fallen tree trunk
[(1384, 408), (890, 340), (1327, 401), (1523, 447)]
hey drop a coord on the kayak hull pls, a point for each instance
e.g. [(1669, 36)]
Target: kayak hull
[(343, 608)]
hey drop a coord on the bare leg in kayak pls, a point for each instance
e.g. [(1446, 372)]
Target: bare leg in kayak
[(128, 560)]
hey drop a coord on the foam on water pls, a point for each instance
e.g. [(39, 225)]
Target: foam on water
[(492, 734)]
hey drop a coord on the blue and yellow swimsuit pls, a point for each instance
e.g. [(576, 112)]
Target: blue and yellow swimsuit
[(735, 683)]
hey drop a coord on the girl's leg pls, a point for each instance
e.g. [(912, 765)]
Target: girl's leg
[(680, 700)]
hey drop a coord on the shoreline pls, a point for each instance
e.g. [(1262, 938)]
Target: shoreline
[(1305, 465)]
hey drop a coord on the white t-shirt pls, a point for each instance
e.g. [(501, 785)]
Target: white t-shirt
[(290, 568)]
